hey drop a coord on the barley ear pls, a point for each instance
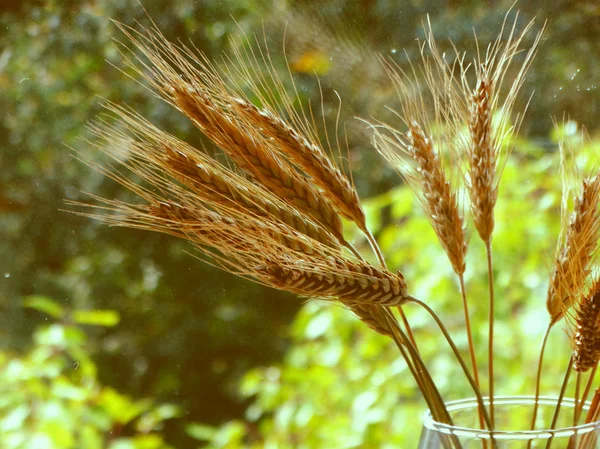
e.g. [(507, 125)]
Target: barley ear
[(308, 155), (427, 178), (584, 333), (488, 134), (186, 79), (576, 251), (483, 158)]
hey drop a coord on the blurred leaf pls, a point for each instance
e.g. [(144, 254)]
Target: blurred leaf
[(121, 408), (152, 420), (106, 318), (200, 432), (45, 305), (140, 442), (15, 418)]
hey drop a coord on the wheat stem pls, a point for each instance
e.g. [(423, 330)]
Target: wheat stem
[(538, 379), (430, 392), (594, 407), (459, 357), (402, 343), (586, 391), (488, 250), (589, 440), (374, 246), (463, 293), (577, 399), (377, 250), (561, 395)]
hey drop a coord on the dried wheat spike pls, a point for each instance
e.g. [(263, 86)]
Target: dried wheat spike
[(254, 155), (262, 250), (189, 82), (585, 332), (270, 226), (210, 181), (352, 283), (310, 157), (367, 314), (428, 181), (483, 159), (486, 137), (576, 251), (222, 190), (458, 103)]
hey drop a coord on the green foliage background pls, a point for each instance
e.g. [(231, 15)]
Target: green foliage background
[(187, 333)]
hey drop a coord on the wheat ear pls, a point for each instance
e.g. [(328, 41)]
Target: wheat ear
[(259, 249), (296, 137), (253, 155), (585, 332), (190, 83), (310, 157), (428, 181), (575, 252), (485, 145), (487, 138), (199, 172), (414, 157)]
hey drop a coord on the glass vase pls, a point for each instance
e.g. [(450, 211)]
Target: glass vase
[(513, 421)]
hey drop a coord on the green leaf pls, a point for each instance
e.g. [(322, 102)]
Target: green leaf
[(45, 305), (121, 408), (152, 420), (200, 432), (107, 318)]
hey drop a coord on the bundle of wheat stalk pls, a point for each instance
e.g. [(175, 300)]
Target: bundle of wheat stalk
[(273, 214)]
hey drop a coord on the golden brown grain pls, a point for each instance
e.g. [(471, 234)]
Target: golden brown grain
[(429, 182), (576, 251), (483, 159), (253, 154), (189, 82), (584, 333), (310, 157)]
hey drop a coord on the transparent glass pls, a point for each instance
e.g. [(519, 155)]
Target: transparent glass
[(513, 421)]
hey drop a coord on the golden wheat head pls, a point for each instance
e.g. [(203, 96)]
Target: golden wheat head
[(274, 218)]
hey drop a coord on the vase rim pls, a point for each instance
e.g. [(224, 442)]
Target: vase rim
[(462, 404)]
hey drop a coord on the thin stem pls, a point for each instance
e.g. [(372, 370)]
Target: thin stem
[(409, 332), (397, 336), (488, 251), (374, 246), (589, 440), (354, 251), (460, 359), (401, 339), (538, 379), (377, 250), (573, 439), (435, 402), (593, 411), (577, 399), (563, 388), (463, 294), (586, 391)]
